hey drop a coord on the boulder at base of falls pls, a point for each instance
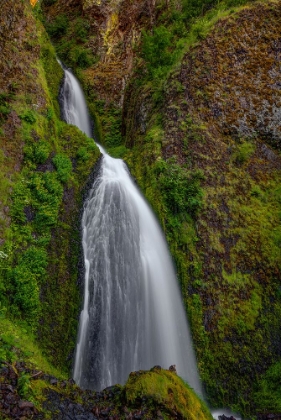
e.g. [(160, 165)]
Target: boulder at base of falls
[(156, 394), (163, 388)]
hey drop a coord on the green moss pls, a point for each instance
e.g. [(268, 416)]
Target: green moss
[(243, 152), (216, 197), (39, 258), (63, 166), (267, 395), (70, 36), (166, 388), (19, 343), (225, 251), (53, 72)]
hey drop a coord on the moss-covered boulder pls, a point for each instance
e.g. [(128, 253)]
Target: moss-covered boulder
[(167, 391)]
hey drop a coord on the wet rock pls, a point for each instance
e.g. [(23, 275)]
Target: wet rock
[(71, 407), (29, 213), (110, 389), (46, 167), (25, 404), (104, 412), (268, 153), (11, 399), (6, 387), (53, 381), (71, 381), (173, 369), (96, 411), (159, 414), (156, 368)]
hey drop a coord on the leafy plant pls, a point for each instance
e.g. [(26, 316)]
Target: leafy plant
[(24, 386), (81, 29), (180, 188), (37, 152), (27, 276), (28, 116), (59, 26), (156, 48), (243, 152), (268, 393), (6, 347), (63, 166)]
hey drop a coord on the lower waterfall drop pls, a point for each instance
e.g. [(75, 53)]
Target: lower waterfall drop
[(133, 316)]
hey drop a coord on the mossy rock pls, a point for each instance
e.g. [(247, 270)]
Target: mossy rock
[(165, 388)]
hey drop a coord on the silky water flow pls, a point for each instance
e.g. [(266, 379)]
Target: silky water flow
[(133, 316)]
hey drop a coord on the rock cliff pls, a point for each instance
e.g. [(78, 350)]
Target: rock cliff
[(193, 90)]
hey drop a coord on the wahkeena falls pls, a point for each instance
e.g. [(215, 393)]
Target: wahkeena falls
[(133, 316)]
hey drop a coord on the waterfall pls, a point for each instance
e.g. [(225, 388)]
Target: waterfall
[(133, 316)]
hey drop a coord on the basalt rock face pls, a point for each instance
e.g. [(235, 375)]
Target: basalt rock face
[(104, 58), (42, 220), (114, 30), (209, 134), (204, 149), (16, 36), (236, 77), (220, 123), (116, 26)]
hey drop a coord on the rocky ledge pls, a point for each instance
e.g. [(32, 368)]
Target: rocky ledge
[(27, 393)]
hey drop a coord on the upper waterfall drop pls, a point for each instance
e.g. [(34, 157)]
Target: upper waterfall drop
[(74, 107), (133, 316)]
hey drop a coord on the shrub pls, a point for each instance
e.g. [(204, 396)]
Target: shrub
[(83, 154), (244, 152), (37, 152), (58, 27), (63, 166), (268, 394), (84, 60), (49, 114), (155, 48), (181, 189), (4, 105), (6, 347), (20, 197), (4, 111), (28, 116), (27, 275), (24, 386), (81, 29), (118, 152)]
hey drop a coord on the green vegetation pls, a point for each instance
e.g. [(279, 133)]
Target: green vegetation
[(63, 166), (19, 343), (38, 263), (180, 189), (160, 386), (211, 188), (70, 38), (215, 197), (267, 395), (215, 191), (243, 152)]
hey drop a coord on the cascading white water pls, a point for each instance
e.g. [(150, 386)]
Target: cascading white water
[(74, 107), (133, 316)]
